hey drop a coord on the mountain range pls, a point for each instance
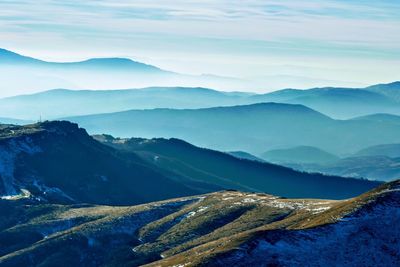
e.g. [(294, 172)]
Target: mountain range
[(120, 72), (226, 228), (58, 162), (178, 174), (98, 73), (113, 73), (226, 171), (252, 128), (339, 103), (299, 155), (380, 162)]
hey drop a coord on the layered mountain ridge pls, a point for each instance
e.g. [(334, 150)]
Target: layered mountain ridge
[(58, 162), (339, 103), (252, 128), (217, 229)]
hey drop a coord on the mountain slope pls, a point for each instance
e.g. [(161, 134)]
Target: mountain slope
[(245, 155), (357, 232), (251, 128), (300, 154), (9, 57), (32, 156), (227, 228), (224, 170), (58, 162)]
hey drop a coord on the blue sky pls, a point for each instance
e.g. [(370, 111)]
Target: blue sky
[(353, 41)]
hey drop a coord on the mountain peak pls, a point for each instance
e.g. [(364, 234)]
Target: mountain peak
[(9, 57), (116, 62), (111, 60), (393, 85), (7, 54)]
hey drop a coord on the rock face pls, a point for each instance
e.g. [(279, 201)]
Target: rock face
[(227, 228)]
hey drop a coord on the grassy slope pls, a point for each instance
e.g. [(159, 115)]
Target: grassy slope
[(207, 226), (303, 228)]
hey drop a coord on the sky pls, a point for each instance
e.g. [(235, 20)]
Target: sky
[(354, 42)]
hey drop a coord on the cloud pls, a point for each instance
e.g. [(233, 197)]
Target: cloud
[(264, 32)]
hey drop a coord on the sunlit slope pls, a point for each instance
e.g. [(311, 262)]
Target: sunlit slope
[(223, 228)]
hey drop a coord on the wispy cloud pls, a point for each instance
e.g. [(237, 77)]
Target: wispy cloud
[(269, 31)]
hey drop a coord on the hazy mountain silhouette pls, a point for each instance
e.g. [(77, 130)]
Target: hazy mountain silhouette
[(8, 57), (245, 155), (339, 103), (96, 73), (251, 128), (391, 90), (381, 168), (299, 154), (380, 162), (388, 150), (381, 117), (57, 103)]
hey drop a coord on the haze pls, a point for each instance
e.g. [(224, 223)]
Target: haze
[(276, 43)]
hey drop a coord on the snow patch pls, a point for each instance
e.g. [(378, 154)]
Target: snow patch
[(192, 213), (23, 194), (249, 200), (9, 151)]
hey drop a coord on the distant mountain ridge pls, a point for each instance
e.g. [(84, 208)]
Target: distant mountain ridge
[(252, 128), (299, 154), (380, 162), (391, 90), (96, 73), (117, 72), (57, 103), (339, 103), (8, 57)]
